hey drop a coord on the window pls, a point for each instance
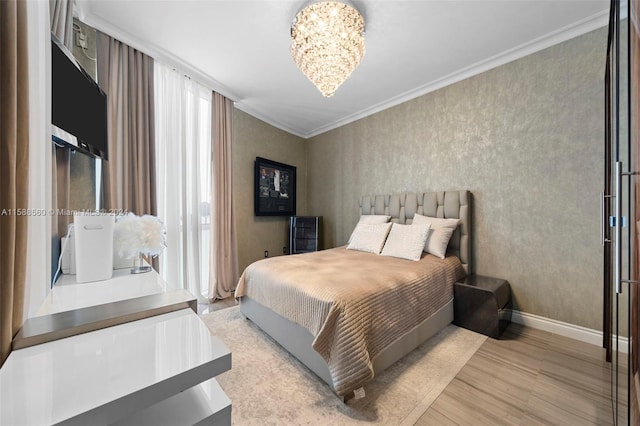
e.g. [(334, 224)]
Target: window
[(183, 172)]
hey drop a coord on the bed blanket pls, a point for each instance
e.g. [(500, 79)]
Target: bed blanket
[(355, 304)]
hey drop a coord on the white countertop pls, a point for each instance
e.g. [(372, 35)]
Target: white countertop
[(108, 374), (204, 404), (68, 294)]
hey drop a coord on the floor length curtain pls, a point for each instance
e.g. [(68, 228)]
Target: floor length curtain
[(183, 135), (61, 23), (224, 257), (61, 15), (126, 76), (39, 244), (14, 167)]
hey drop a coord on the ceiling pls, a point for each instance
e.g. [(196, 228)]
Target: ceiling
[(240, 48)]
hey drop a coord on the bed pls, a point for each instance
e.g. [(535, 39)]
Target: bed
[(348, 315)]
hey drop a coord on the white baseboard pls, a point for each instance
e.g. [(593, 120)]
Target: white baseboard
[(577, 332)]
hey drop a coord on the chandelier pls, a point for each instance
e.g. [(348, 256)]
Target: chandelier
[(327, 43)]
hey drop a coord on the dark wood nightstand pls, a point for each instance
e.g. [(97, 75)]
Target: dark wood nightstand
[(482, 304)]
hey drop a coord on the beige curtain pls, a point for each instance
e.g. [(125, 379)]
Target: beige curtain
[(61, 20), (126, 76), (224, 257), (14, 157), (61, 14)]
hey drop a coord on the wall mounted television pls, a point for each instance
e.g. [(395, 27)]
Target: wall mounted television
[(78, 105), (274, 188)]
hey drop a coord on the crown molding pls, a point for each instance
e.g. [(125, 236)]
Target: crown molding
[(556, 37), (260, 116), (563, 34), (154, 51), (162, 55)]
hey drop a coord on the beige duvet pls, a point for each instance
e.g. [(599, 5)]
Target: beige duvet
[(355, 304)]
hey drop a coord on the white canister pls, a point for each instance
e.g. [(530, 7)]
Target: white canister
[(93, 246)]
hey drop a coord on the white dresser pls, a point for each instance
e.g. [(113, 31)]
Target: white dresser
[(157, 370)]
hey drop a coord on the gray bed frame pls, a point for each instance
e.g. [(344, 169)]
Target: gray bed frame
[(401, 207)]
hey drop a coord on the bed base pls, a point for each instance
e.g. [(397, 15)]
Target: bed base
[(297, 340)]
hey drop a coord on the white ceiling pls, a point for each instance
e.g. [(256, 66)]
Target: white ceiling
[(240, 48)]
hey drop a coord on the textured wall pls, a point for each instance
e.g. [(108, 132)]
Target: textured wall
[(254, 138), (526, 138)]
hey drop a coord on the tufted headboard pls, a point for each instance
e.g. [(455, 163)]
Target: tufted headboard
[(446, 204)]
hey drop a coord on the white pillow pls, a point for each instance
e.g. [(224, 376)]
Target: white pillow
[(369, 237), (370, 218), (406, 241), (439, 234)]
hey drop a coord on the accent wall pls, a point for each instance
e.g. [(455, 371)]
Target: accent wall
[(526, 138), (254, 138)]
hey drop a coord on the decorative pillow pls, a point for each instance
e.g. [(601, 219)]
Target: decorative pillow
[(369, 237), (406, 241), (370, 218), (439, 234)]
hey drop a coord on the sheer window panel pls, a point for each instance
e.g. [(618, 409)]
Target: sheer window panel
[(183, 135)]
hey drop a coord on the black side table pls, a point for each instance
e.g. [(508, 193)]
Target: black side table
[(479, 303)]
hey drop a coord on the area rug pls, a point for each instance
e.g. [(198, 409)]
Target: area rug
[(267, 386)]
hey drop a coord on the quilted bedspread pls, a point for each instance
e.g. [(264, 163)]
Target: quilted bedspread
[(355, 304)]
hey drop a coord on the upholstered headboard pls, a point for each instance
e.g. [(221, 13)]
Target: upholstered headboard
[(446, 204)]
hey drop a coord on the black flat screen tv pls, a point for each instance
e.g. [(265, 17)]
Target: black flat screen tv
[(78, 105)]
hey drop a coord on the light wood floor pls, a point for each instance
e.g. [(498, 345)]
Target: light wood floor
[(528, 377), (216, 306)]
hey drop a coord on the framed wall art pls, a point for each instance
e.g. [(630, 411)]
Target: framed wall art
[(274, 189)]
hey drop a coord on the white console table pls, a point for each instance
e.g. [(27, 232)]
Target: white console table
[(68, 294), (158, 370)]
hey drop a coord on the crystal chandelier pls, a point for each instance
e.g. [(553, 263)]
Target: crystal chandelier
[(327, 43)]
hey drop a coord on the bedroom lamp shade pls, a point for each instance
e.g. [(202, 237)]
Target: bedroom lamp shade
[(327, 43)]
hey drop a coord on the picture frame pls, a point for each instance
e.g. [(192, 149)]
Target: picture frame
[(274, 188)]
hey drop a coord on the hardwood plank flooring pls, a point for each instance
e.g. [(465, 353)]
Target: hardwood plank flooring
[(529, 377), (216, 305)]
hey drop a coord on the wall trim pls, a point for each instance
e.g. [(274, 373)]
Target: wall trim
[(153, 50), (568, 32), (566, 329), (162, 55)]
